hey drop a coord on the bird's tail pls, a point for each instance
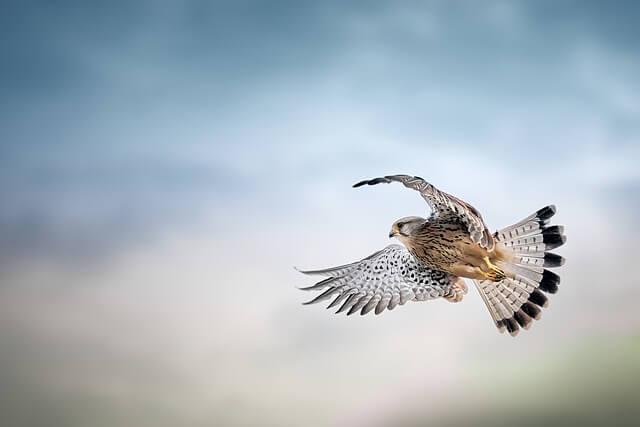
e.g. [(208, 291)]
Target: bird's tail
[(516, 300)]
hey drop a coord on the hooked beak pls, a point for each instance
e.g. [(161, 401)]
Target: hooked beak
[(392, 234)]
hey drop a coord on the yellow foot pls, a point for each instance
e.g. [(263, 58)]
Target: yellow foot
[(494, 273)]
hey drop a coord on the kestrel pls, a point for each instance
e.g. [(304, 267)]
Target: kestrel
[(508, 267)]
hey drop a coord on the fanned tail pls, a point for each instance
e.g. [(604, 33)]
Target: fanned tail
[(515, 301)]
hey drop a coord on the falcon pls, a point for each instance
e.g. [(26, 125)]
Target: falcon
[(509, 268)]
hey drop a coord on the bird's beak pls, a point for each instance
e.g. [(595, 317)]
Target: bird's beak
[(392, 234)]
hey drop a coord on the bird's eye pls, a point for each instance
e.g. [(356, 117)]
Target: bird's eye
[(399, 225)]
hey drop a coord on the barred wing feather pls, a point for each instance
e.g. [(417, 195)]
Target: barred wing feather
[(387, 278), (443, 204)]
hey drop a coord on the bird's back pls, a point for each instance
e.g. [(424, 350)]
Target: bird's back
[(440, 242)]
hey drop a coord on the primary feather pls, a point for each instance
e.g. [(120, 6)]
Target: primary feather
[(383, 280)]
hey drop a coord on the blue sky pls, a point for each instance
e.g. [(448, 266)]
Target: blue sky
[(161, 105), (167, 163)]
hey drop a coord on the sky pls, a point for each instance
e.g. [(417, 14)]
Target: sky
[(165, 165)]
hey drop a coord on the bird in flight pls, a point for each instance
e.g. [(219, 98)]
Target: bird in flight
[(508, 267)]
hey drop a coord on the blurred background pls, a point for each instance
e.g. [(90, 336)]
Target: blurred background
[(164, 165)]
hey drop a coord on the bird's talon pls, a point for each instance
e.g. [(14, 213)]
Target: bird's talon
[(494, 273)]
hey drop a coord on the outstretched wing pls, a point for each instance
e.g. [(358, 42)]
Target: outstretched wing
[(443, 204), (385, 279)]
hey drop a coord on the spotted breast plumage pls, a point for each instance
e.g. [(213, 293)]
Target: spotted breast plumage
[(508, 267)]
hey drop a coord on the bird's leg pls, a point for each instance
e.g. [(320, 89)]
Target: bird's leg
[(493, 273), (458, 290)]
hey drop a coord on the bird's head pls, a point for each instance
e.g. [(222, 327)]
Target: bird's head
[(405, 227)]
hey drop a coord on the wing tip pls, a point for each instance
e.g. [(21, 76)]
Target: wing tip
[(320, 285), (374, 181), (307, 272), (311, 272)]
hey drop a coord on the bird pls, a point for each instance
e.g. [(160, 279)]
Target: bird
[(509, 268)]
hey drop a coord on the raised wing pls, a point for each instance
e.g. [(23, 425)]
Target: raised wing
[(443, 204), (381, 281)]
